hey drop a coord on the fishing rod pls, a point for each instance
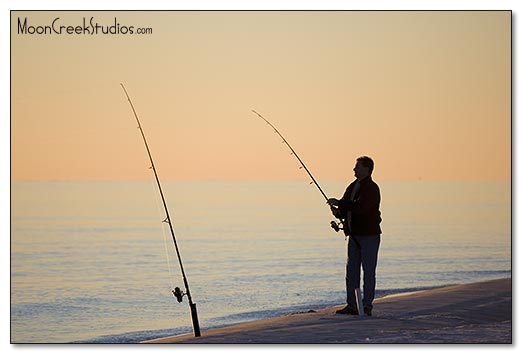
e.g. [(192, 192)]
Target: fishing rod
[(335, 225), (177, 292)]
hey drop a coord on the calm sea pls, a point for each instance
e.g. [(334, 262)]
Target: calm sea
[(89, 259)]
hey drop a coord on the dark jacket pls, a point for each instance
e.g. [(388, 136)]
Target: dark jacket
[(366, 217)]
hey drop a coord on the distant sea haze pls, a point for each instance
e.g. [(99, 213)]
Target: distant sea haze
[(89, 259)]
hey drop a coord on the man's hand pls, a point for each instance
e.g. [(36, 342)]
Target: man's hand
[(334, 205), (333, 202), (336, 212)]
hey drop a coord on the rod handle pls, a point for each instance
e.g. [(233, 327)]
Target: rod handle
[(195, 321)]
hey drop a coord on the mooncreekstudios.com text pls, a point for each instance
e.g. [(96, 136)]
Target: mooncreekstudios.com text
[(87, 27)]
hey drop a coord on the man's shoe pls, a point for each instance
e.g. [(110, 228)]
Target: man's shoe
[(368, 311), (347, 311)]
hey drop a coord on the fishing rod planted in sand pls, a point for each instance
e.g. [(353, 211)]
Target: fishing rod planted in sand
[(335, 225), (177, 291)]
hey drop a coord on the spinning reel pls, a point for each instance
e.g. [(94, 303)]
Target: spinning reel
[(178, 294), (336, 225)]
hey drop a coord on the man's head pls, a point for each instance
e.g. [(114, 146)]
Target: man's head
[(363, 167)]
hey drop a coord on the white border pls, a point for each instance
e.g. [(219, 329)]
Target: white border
[(6, 6)]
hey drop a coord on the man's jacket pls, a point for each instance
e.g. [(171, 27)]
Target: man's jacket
[(362, 208)]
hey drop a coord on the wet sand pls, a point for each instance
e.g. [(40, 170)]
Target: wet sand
[(468, 313)]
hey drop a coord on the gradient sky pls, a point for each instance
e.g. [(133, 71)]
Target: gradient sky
[(426, 94)]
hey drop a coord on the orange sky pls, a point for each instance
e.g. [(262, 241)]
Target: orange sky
[(426, 94)]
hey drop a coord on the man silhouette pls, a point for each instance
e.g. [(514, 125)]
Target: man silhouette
[(359, 207)]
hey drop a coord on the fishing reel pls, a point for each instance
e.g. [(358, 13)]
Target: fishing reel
[(336, 225), (178, 294)]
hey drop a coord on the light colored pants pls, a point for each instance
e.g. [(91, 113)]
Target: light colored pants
[(362, 250)]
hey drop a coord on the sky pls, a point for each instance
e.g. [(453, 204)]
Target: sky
[(426, 94)]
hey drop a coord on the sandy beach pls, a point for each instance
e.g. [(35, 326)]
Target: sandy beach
[(468, 313)]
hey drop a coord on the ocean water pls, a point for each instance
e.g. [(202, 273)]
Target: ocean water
[(93, 262)]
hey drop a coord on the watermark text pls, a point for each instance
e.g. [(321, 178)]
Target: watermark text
[(87, 26)]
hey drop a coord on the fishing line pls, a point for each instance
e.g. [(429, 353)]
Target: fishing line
[(165, 240)]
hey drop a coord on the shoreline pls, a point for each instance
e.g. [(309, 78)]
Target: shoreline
[(468, 313)]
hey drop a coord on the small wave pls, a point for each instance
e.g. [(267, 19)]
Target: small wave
[(216, 322), (135, 337)]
